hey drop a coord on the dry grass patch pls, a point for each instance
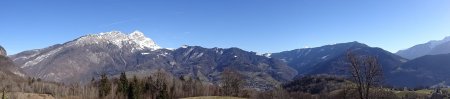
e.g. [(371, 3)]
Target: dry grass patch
[(213, 97)]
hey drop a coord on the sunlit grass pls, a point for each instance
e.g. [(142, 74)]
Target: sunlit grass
[(425, 91)]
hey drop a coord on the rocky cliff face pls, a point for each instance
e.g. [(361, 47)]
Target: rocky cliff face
[(2, 51), (10, 75)]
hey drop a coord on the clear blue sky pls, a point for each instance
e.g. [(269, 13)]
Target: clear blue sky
[(253, 25)]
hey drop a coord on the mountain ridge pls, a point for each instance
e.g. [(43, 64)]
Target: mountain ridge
[(79, 60), (427, 70), (331, 59), (432, 47)]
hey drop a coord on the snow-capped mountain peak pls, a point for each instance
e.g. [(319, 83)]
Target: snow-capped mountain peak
[(136, 38), (143, 41), (137, 34)]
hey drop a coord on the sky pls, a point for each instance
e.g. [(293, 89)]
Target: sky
[(263, 26)]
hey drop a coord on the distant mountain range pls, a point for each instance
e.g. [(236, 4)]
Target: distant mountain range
[(431, 48), (331, 58), (80, 60), (425, 71)]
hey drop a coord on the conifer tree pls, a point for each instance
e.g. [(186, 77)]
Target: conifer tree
[(104, 86), (135, 89), (122, 87)]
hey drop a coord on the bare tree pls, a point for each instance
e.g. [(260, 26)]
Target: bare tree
[(162, 85), (366, 73), (231, 82)]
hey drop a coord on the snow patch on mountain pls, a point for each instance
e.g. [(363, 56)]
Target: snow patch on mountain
[(189, 51), (324, 57), (267, 55), (40, 58), (27, 57), (19, 73), (172, 49)]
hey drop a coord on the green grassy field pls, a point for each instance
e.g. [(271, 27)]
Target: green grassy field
[(424, 92), (213, 97)]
